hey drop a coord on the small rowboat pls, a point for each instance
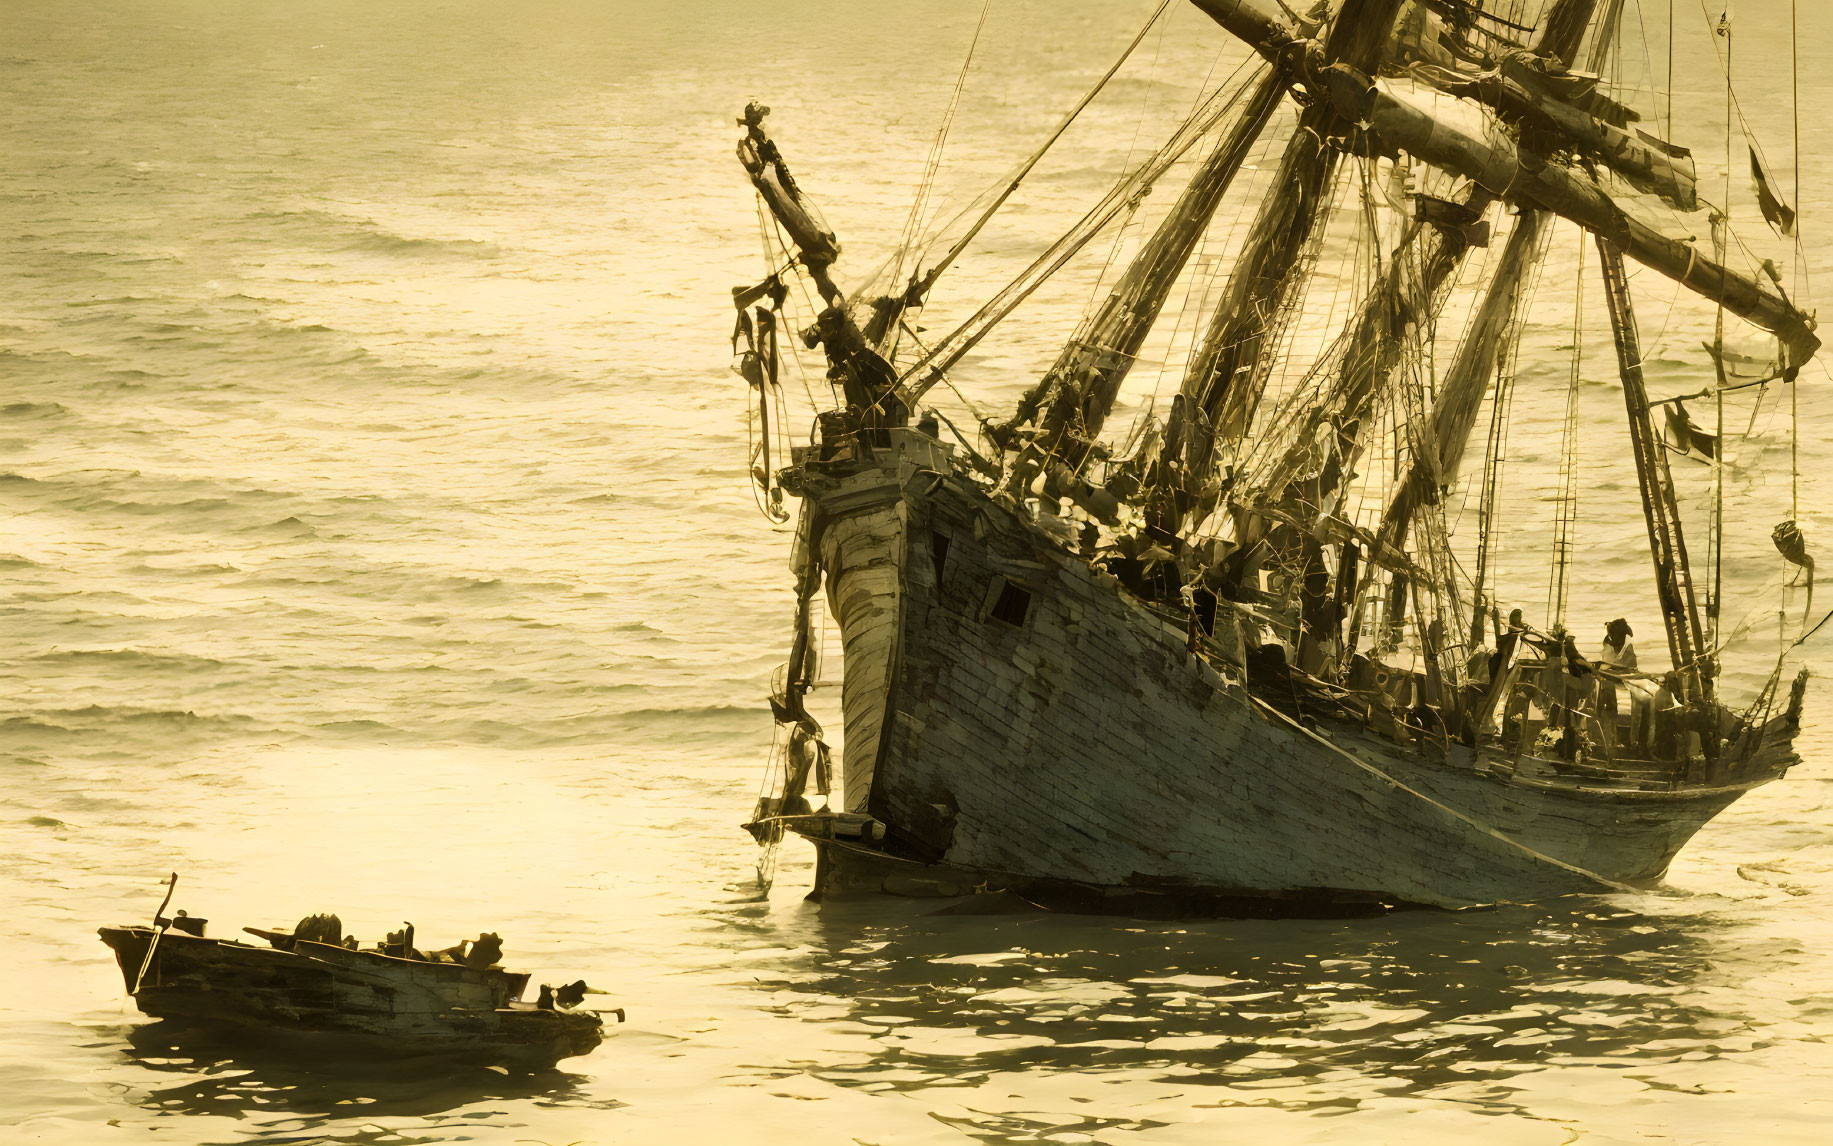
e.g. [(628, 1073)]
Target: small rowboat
[(373, 999)]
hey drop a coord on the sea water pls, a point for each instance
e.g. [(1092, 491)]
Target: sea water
[(377, 540)]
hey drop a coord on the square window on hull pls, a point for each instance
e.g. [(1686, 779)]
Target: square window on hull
[(1011, 605)]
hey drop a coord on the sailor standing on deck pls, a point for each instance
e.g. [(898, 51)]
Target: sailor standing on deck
[(1619, 653), (1618, 661)]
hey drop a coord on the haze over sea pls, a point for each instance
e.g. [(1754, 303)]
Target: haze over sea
[(376, 540)]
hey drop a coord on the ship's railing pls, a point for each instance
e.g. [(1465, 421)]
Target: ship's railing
[(840, 442), (1533, 731), (1553, 722)]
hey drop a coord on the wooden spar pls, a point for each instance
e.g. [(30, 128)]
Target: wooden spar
[(1494, 162), (1644, 161), (816, 246), (867, 380), (160, 927), (1673, 576), (1286, 45), (1079, 390), (1221, 385), (1497, 165), (1516, 89), (1538, 93)]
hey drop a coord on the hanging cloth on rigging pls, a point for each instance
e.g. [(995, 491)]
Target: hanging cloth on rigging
[(1781, 216), (1793, 546)]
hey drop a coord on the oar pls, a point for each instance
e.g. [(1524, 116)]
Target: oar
[(158, 933)]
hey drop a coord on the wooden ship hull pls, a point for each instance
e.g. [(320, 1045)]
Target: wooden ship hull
[(1015, 720), (1193, 672), (358, 999)]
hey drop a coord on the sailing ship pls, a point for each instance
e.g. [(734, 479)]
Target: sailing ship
[(1179, 670)]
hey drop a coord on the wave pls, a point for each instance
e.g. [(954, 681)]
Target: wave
[(722, 724), (124, 730), (135, 657), (355, 233), (207, 570), (358, 729), (389, 243), (24, 410), (286, 526), (734, 713)]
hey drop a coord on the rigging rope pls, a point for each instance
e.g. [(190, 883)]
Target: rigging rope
[(1715, 539), (1272, 713), (1127, 227), (927, 370), (1024, 168), (913, 225), (1794, 414), (1566, 511)]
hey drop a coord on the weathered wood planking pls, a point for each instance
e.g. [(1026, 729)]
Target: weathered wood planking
[(323, 989), (1088, 744)]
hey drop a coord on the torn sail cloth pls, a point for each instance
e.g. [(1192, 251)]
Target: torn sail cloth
[(1781, 216), (772, 288), (1792, 545)]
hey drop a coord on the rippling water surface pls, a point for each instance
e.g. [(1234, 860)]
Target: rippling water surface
[(376, 540)]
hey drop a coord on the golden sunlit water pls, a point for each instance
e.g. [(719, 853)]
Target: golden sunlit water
[(376, 540)]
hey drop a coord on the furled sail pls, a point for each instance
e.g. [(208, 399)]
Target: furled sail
[(1522, 94)]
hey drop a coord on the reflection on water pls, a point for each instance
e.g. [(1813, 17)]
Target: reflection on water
[(302, 1088), (1302, 1014), (379, 541)]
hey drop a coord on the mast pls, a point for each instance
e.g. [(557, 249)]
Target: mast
[(1074, 397), (1673, 577), (1495, 163), (1454, 414), (1375, 345), (1222, 384), (867, 380), (816, 247)]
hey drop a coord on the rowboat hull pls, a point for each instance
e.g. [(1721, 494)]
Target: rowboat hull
[(361, 999)]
